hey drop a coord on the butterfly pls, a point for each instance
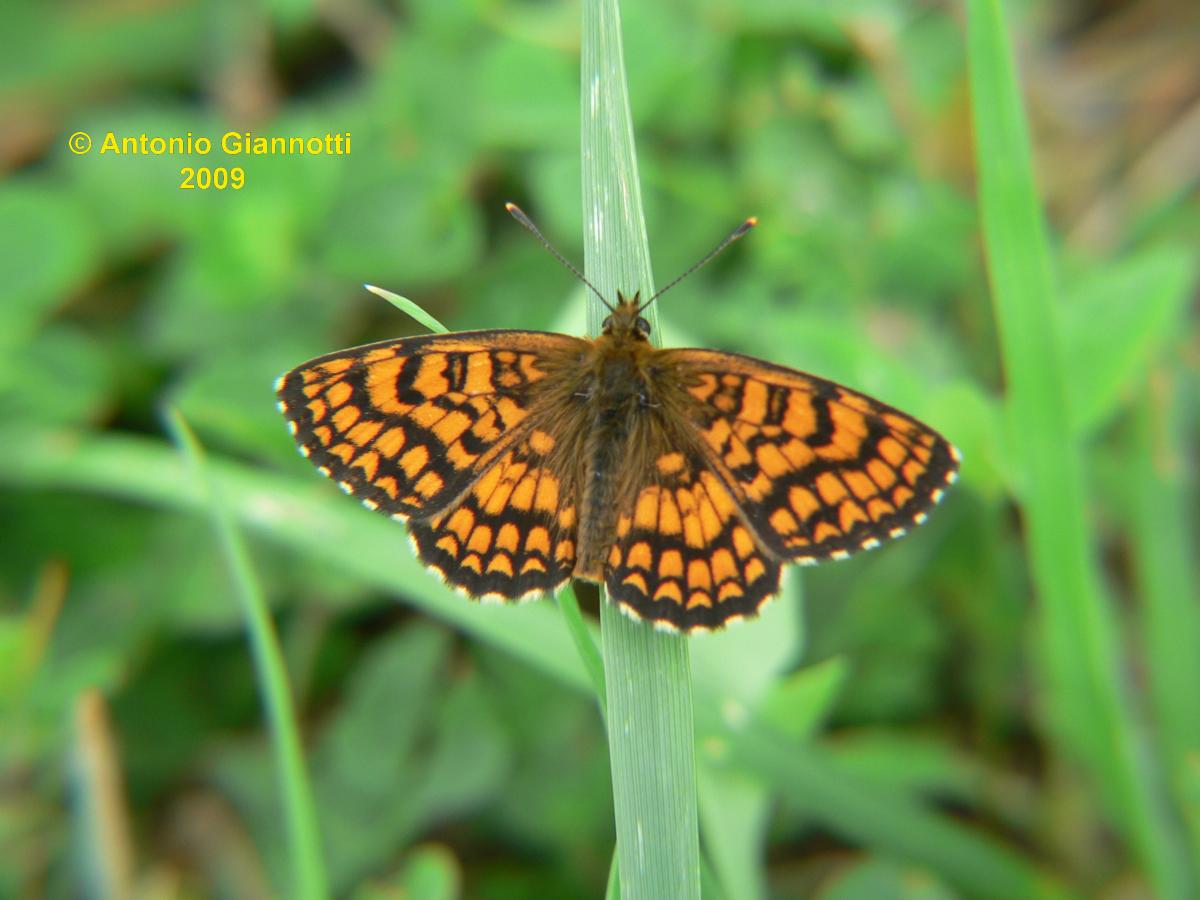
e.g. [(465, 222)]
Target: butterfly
[(680, 479)]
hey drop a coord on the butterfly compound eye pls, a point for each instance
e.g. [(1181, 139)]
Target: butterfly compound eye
[(642, 326), (606, 325)]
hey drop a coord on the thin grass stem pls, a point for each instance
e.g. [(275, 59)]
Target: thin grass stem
[(647, 673), (299, 812)]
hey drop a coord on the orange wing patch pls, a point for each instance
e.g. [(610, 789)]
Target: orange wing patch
[(512, 533), (683, 559), (818, 470), (406, 426)]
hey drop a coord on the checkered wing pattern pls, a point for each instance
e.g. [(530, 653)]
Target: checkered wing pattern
[(512, 534), (723, 468), (683, 559), (436, 429), (818, 471)]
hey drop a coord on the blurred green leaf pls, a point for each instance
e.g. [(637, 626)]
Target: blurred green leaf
[(528, 97), (881, 879), (60, 376), (912, 764), (401, 731), (862, 122), (311, 517), (366, 758), (739, 665), (1115, 321), (736, 669), (467, 759), (1159, 495), (432, 872), (799, 703), (809, 777), (673, 92), (402, 228), (14, 642), (47, 254), (734, 814), (304, 851)]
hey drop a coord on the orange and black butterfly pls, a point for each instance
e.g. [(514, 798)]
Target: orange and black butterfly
[(681, 480)]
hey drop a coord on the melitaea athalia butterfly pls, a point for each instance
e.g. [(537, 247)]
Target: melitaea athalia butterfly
[(682, 480)]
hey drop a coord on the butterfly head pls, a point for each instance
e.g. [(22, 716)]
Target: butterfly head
[(626, 320)]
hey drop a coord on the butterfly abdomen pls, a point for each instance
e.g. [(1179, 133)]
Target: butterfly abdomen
[(616, 397)]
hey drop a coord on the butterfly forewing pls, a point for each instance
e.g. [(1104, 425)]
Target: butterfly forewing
[(819, 471), (407, 426)]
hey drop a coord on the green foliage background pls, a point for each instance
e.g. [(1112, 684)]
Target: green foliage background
[(899, 728)]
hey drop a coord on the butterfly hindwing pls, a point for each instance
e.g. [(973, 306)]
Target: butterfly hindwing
[(682, 558), (407, 425), (512, 534), (819, 471)]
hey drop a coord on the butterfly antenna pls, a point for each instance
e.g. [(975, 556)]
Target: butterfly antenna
[(519, 214), (729, 239)]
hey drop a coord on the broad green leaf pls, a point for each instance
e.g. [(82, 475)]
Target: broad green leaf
[(1115, 321)]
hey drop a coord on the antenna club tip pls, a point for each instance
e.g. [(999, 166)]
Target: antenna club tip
[(519, 214), (743, 228)]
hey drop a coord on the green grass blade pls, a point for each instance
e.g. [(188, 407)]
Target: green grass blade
[(612, 890), (409, 308), (652, 752), (304, 840), (1079, 650), (585, 643), (1163, 549), (650, 730), (104, 858)]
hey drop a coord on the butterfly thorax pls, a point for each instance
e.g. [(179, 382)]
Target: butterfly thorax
[(621, 396)]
